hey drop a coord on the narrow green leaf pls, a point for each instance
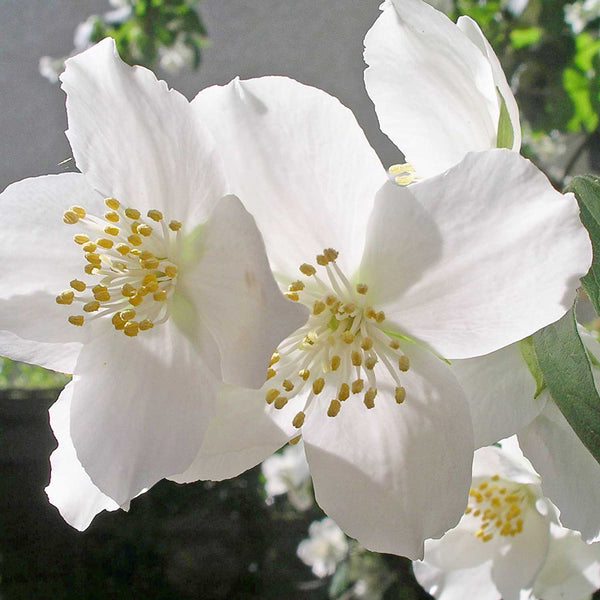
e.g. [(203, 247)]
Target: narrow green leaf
[(587, 191), (506, 135), (528, 354), (564, 363)]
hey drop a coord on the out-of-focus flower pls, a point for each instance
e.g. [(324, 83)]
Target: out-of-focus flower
[(288, 473), (177, 57), (166, 288), (580, 13), (325, 547), (509, 544)]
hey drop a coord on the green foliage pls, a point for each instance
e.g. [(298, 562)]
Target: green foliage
[(564, 363), (23, 376), (528, 354)]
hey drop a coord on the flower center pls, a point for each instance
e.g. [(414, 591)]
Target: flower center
[(499, 504), (130, 274), (403, 174), (342, 347)]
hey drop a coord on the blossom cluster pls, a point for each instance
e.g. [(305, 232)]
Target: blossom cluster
[(227, 275)]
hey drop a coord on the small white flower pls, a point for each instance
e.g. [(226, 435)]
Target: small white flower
[(579, 14), (325, 548), (177, 57), (509, 543)]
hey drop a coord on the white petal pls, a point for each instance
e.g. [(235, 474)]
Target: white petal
[(236, 296), (140, 408), (481, 256), (71, 490), (500, 390), (572, 567), (299, 162), (433, 90), (39, 260), (457, 584), (507, 462), (239, 437), (380, 473), (570, 474), (137, 140), (474, 33)]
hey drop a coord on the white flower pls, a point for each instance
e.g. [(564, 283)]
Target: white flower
[(448, 263), (324, 549), (438, 87), (163, 291), (177, 57), (579, 14), (501, 391), (288, 473), (508, 544)]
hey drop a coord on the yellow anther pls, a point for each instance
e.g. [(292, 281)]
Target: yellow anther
[(329, 300), (400, 394), (334, 408), (370, 362), (307, 269), (65, 297), (102, 296), (171, 271), (144, 229), (349, 308), (150, 263), (348, 337), (146, 255), (128, 290), (356, 358), (81, 238), (295, 440), (76, 320), (369, 399), (362, 288), (111, 230), (292, 296), (270, 373), (366, 343), (394, 344), (495, 477), (78, 210), (476, 512), (155, 215), (131, 328), (330, 254), (92, 306), (358, 386), (104, 243), (112, 203), (134, 239), (132, 213), (118, 322), (113, 217), (380, 317), (296, 286), (134, 227), (151, 287), (304, 374), (335, 362), (404, 180), (271, 395), (70, 217), (322, 260), (401, 168), (136, 300), (122, 249), (287, 385), (483, 485), (174, 225), (404, 363), (78, 285), (146, 324), (343, 392), (369, 312), (299, 420), (160, 296), (89, 247), (274, 358), (280, 402), (468, 510), (128, 314), (318, 385), (89, 269), (318, 307), (93, 258)]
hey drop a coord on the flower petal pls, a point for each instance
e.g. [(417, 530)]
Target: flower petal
[(500, 391), (239, 437), (140, 408), (380, 473), (236, 296), (570, 475), (300, 164), (433, 90), (502, 256), (137, 140), (71, 490)]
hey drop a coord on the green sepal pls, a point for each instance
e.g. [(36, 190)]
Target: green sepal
[(564, 363), (506, 134), (530, 358)]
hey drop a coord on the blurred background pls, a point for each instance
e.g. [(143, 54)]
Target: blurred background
[(235, 539)]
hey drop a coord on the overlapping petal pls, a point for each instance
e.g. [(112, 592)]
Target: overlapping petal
[(138, 141), (503, 259), (380, 473), (299, 162), (433, 89)]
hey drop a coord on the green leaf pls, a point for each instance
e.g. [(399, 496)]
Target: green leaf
[(587, 191), (528, 354), (564, 363), (506, 135), (521, 38), (578, 87)]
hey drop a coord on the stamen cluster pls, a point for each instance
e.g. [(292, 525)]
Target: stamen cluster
[(129, 259), (341, 347)]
